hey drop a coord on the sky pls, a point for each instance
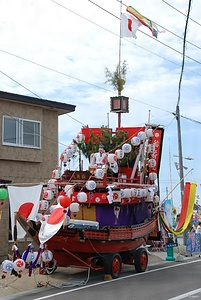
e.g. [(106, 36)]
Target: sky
[(58, 50)]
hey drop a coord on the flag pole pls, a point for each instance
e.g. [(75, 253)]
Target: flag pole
[(119, 92)]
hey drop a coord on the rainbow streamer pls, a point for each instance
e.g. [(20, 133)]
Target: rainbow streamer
[(145, 21), (186, 211)]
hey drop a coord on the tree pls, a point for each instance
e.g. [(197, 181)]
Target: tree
[(117, 79)]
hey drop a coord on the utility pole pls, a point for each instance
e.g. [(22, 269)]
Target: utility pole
[(181, 173)]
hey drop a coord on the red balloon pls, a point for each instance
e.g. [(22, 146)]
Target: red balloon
[(64, 201)]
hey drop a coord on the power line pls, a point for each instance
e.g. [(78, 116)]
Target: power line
[(173, 49), (180, 37), (181, 13)]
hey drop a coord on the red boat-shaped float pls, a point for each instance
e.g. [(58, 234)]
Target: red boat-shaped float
[(104, 215)]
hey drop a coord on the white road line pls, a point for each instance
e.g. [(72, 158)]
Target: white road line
[(112, 281), (183, 296)]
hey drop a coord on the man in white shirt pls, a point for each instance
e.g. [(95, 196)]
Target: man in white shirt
[(99, 158)]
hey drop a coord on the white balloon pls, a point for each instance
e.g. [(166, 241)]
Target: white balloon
[(47, 256), (7, 265), (30, 257), (19, 265)]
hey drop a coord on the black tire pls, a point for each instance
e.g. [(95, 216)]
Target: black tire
[(113, 265), (141, 260)]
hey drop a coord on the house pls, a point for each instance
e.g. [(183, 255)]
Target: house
[(28, 145)]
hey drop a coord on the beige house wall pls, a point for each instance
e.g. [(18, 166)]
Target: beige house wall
[(26, 165)]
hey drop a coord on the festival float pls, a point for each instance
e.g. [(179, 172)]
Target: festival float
[(101, 217)]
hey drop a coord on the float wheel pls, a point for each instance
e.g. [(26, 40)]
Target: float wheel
[(113, 265), (141, 260)]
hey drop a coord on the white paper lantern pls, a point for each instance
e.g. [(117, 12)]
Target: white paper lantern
[(142, 135), (99, 173), (73, 147), (134, 192), (64, 157), (141, 193), (82, 197), (69, 152), (152, 176), (68, 189), (80, 137), (149, 132), (74, 207), (116, 196), (51, 184), (126, 193), (91, 185), (44, 205), (112, 158), (119, 153), (126, 148), (152, 163), (7, 265), (157, 200), (56, 174), (135, 141), (48, 194), (19, 265), (155, 188), (38, 217), (151, 148), (47, 256)]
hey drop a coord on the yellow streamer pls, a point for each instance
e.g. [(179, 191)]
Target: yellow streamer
[(189, 212)]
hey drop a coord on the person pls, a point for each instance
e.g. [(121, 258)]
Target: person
[(99, 158), (198, 229)]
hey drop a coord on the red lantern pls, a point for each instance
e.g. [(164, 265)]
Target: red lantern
[(64, 201)]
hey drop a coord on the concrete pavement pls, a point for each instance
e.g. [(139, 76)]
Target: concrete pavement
[(12, 284)]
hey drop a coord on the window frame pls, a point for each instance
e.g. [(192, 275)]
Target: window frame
[(20, 133)]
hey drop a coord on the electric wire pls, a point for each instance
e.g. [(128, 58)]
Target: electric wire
[(74, 77), (180, 12)]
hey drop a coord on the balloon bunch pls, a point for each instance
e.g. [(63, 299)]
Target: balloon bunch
[(29, 259)]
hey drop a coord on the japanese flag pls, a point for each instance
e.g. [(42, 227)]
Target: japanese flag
[(129, 26), (50, 227), (24, 200)]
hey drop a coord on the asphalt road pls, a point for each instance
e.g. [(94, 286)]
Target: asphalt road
[(174, 281)]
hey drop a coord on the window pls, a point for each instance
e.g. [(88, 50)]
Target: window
[(20, 132)]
